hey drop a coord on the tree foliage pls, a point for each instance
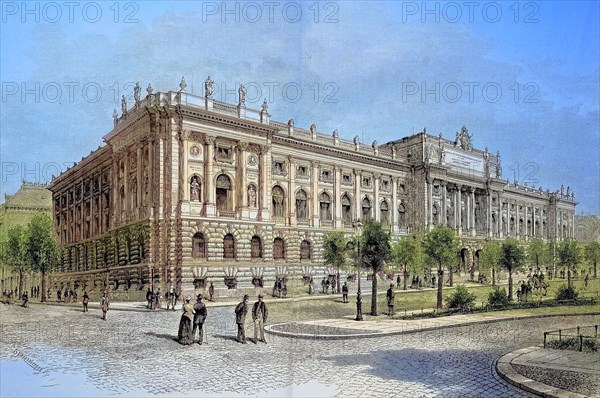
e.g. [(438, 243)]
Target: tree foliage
[(334, 248), (537, 253), (375, 250), (592, 255), (512, 257), (42, 249), (408, 253), (569, 255), (15, 252), (441, 248), (489, 259)]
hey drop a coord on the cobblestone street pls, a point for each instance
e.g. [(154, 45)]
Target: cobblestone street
[(69, 353)]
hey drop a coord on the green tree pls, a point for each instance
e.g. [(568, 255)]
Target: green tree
[(537, 253), (375, 250), (408, 254), (592, 254), (41, 247), (440, 246), (15, 253), (334, 251), (512, 257), (569, 255), (489, 259)]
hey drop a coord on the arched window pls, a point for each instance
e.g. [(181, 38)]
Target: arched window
[(301, 199), (224, 193), (278, 249), (255, 247), (195, 189), (325, 206), (366, 209), (384, 213), (346, 209), (402, 215), (305, 250), (228, 246), (198, 246), (278, 199)]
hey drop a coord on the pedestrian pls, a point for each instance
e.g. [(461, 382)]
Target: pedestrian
[(170, 296), (433, 281), (25, 298), (149, 298), (398, 280), (157, 299), (58, 295), (48, 294), (240, 318), (86, 300), (390, 300), (211, 291), (586, 280), (323, 286), (345, 292), (259, 316), (523, 291), (104, 303), (185, 324), (311, 288), (199, 318)]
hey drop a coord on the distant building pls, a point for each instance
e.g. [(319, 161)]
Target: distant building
[(188, 190), (587, 228), (19, 209)]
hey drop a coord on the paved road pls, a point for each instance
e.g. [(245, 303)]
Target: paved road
[(65, 352)]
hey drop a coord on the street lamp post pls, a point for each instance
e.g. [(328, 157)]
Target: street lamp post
[(359, 317)]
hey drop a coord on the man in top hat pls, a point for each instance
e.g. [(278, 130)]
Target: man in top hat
[(240, 318), (259, 316), (199, 317)]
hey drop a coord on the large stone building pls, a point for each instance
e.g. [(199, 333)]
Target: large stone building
[(188, 190)]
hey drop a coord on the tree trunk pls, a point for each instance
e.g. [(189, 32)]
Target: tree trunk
[(338, 280), (493, 276), (450, 279), (510, 286), (440, 286), (43, 288), (569, 277), (595, 269), (406, 274), (374, 294), (21, 273)]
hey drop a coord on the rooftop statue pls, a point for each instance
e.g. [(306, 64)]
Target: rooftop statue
[(464, 139), (208, 87)]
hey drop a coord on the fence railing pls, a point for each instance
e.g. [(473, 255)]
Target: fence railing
[(577, 334)]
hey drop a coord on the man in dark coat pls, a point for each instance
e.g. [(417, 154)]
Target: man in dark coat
[(240, 318), (86, 300), (345, 292), (259, 316), (390, 300), (199, 317), (149, 298)]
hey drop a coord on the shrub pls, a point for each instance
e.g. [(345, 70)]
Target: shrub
[(566, 293), (572, 343), (461, 298), (498, 297)]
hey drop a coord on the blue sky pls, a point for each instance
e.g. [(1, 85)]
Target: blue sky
[(522, 76)]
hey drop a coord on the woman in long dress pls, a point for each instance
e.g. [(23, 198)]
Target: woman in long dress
[(185, 324)]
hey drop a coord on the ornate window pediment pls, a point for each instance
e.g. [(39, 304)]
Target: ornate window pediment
[(326, 175), (224, 153), (279, 167), (302, 172)]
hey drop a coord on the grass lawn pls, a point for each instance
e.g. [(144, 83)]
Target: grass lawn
[(415, 300)]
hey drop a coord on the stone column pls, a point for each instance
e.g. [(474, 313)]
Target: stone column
[(377, 179), (525, 222), (517, 227), (292, 192), (499, 216), (337, 198), (209, 191), (140, 182), (488, 217), (458, 212), (151, 193), (429, 204), (265, 167), (243, 185), (394, 206), (472, 211), (314, 180), (443, 206), (357, 199)]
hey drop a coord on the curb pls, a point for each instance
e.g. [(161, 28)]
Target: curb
[(510, 375), (269, 328)]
